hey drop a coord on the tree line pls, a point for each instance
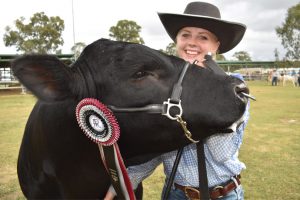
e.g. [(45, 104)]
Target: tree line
[(43, 34)]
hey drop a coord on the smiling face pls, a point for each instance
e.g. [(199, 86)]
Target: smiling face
[(194, 43)]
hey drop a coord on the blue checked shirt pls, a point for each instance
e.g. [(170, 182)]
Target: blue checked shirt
[(221, 155)]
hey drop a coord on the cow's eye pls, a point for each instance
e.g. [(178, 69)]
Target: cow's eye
[(140, 74)]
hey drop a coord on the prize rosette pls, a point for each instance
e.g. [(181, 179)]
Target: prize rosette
[(97, 122)]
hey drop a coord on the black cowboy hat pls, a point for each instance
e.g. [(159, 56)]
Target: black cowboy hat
[(206, 16)]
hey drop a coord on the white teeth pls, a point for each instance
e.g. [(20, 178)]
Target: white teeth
[(192, 52)]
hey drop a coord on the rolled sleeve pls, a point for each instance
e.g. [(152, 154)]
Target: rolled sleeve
[(138, 173)]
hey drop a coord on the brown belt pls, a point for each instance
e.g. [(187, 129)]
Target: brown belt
[(215, 193)]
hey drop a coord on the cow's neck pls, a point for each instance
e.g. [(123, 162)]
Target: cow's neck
[(85, 83)]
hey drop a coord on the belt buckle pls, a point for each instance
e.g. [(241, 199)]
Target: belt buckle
[(220, 188), (187, 188)]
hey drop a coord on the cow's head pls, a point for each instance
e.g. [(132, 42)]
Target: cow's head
[(132, 75)]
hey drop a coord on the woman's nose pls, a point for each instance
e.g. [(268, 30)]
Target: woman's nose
[(192, 42)]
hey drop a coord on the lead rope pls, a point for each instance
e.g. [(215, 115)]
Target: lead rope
[(187, 133), (178, 156), (172, 175), (203, 182)]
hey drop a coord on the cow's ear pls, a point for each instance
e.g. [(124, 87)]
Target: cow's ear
[(45, 76)]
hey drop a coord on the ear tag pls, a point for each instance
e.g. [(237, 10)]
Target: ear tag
[(97, 122)]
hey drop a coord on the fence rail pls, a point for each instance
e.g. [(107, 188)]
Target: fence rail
[(11, 85)]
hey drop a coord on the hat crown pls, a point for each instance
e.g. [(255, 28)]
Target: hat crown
[(202, 8)]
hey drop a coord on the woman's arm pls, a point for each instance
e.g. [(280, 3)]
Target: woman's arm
[(136, 174)]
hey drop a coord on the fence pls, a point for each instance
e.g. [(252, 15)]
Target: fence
[(7, 79)]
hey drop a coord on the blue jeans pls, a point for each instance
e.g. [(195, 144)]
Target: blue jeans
[(237, 194)]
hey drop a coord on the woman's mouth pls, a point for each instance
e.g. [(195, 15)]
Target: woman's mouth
[(191, 52)]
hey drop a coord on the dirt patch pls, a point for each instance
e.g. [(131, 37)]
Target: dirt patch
[(289, 121)]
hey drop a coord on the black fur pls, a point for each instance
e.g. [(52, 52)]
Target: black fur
[(57, 160)]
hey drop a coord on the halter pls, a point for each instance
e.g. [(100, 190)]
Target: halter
[(172, 104), (174, 100), (164, 109)]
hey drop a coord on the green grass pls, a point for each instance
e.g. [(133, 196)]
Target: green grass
[(14, 111), (271, 148)]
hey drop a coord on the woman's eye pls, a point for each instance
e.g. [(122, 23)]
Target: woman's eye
[(140, 74), (203, 38), (185, 35)]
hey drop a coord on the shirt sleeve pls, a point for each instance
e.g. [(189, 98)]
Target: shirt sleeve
[(138, 173)]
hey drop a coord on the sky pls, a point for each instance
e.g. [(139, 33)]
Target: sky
[(93, 19)]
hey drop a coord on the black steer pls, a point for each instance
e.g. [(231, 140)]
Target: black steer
[(56, 160)]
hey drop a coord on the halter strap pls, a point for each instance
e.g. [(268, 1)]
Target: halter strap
[(177, 89), (165, 107), (152, 108)]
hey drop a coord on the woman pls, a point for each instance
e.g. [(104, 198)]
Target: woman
[(197, 32)]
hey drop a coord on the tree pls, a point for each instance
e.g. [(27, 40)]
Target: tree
[(41, 35), (289, 33), (127, 31), (220, 57), (242, 56), (77, 49), (170, 49)]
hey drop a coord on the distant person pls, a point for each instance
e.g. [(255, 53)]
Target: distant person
[(275, 76), (295, 77)]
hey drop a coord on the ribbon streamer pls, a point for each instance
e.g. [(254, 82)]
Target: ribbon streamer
[(100, 125)]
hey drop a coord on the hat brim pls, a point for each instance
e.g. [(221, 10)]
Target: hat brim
[(228, 33)]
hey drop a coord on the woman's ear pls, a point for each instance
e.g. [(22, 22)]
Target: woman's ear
[(216, 50), (217, 45)]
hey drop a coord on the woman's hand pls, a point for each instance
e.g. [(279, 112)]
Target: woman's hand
[(110, 194)]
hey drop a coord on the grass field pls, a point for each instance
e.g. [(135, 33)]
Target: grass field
[(271, 148)]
